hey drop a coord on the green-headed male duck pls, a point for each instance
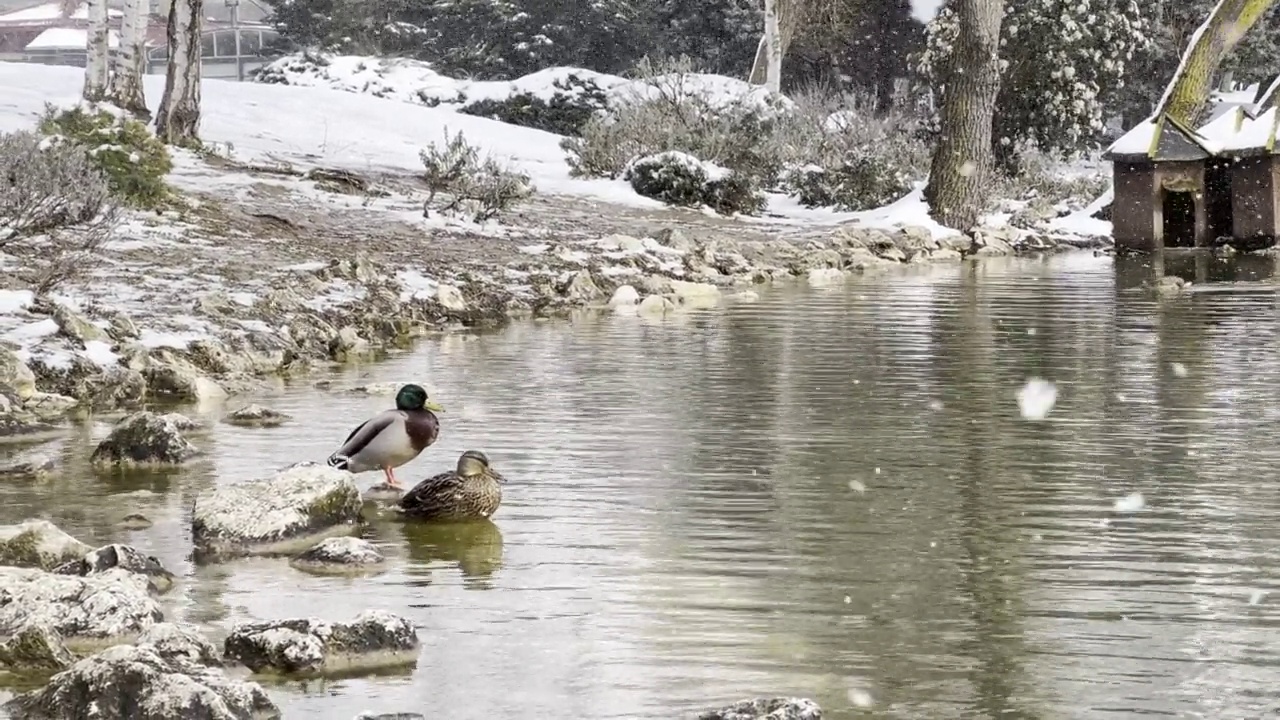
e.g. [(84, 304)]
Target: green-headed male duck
[(472, 491), (392, 437)]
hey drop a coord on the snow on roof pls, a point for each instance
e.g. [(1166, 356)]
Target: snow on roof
[(1138, 141), (50, 12), (1255, 134), (68, 39), (1224, 128)]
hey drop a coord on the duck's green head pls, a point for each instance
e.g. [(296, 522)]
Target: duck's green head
[(472, 463), (413, 397)]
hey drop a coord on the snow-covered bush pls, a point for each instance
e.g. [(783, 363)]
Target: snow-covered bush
[(480, 188), (134, 160), (680, 179), (575, 101), (671, 108), (861, 182), (1042, 188), (55, 207)]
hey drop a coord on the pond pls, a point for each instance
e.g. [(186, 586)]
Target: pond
[(828, 493)]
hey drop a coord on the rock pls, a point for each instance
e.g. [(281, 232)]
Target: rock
[(256, 416), (180, 421), (624, 299), (674, 239), (450, 298), (276, 515), (35, 648), (655, 306), (339, 555), (15, 374), (135, 521), (125, 557), (181, 640), (106, 607), (38, 544), (38, 463), (779, 708), (622, 243), (944, 254), (581, 289), (110, 388), (144, 438), (76, 326), (139, 682), (893, 253), (746, 296), (695, 295), (348, 345), (825, 277), (121, 328), (174, 376), (994, 242), (374, 639), (1168, 286), (48, 406)]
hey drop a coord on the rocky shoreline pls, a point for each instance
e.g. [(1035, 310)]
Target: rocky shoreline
[(275, 318), (87, 622)]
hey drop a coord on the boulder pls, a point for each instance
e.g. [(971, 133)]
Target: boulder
[(135, 521), (265, 517), (38, 544), (256, 416), (36, 463), (778, 708), (348, 345), (125, 557), (15, 374), (624, 299), (35, 648), (181, 640), (374, 639), (109, 388), (107, 607), (146, 681), (340, 555), (172, 375), (76, 326), (694, 294), (655, 306), (145, 438), (580, 289), (825, 277), (450, 298)]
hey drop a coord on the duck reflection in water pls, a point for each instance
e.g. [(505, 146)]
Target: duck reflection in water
[(449, 516), (474, 546)]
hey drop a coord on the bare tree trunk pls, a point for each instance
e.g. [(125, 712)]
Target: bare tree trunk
[(97, 48), (178, 119), (962, 159), (1188, 91), (789, 12), (125, 89), (773, 46)]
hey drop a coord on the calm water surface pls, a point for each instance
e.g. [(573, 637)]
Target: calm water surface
[(827, 493)]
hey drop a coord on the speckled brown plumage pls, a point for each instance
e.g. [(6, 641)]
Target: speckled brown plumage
[(472, 490)]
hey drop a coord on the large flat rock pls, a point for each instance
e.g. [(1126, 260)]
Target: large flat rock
[(38, 544), (107, 607), (374, 639), (282, 514), (166, 675)]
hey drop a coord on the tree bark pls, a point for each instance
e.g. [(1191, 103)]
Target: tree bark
[(178, 119), (773, 46), (1187, 95), (97, 48), (125, 89), (789, 12), (962, 159)]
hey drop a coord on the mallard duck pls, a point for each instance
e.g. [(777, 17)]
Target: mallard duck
[(473, 490), (392, 437)]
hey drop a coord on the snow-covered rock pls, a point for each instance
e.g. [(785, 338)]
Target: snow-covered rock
[(296, 507), (624, 299), (181, 640), (825, 277), (145, 438), (695, 294), (340, 555), (35, 648), (146, 681), (655, 306), (106, 607), (14, 373), (38, 544), (778, 708), (125, 557), (256, 416), (374, 639)]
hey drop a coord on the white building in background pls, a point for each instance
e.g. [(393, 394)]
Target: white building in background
[(236, 39)]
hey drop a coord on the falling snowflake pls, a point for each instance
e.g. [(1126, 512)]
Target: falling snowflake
[(1130, 503), (1037, 398), (1179, 369)]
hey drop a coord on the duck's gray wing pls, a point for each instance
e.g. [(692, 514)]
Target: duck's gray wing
[(360, 438)]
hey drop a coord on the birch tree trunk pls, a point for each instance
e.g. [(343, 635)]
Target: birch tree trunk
[(125, 89), (1187, 94), (962, 159), (788, 12), (773, 46), (96, 48), (178, 119)]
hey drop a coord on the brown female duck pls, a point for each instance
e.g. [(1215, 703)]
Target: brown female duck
[(473, 490)]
